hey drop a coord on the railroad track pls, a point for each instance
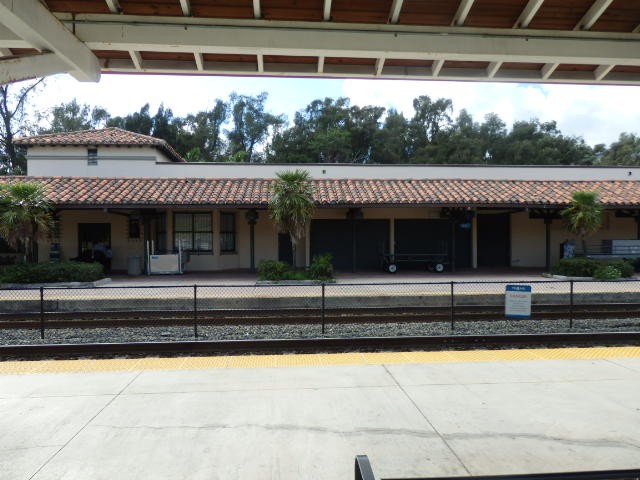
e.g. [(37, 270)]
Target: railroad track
[(317, 345), (109, 319)]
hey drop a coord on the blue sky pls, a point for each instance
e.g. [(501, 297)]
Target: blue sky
[(596, 113)]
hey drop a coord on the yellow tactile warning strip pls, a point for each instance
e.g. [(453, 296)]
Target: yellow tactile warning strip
[(308, 360)]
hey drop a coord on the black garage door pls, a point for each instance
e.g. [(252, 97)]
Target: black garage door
[(336, 237), (433, 236)]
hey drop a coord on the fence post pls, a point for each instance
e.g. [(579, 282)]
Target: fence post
[(453, 326), (570, 304), (195, 310), (322, 308), (42, 313)]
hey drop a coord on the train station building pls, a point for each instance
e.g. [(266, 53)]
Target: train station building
[(137, 195)]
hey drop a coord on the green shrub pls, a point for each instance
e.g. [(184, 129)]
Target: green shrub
[(625, 267), (576, 267), (274, 270), (52, 272), (587, 267), (321, 267), (606, 272)]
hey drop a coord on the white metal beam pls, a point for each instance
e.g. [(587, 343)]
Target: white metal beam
[(463, 12), (199, 61), (528, 13), (535, 47), (436, 67), (326, 11), (114, 6), (260, 63), (547, 70), (30, 20), (379, 66), (493, 68), (394, 13), (592, 15), (602, 71), (320, 64), (257, 13), (186, 7), (21, 68), (136, 58)]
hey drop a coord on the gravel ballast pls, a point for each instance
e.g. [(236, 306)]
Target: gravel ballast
[(311, 330)]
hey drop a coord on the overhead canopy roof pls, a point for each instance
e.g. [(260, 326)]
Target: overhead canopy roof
[(94, 192), (575, 41)]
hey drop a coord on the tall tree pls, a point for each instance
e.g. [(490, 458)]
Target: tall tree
[(292, 205), (429, 124), (13, 123), (204, 130), (25, 217), (72, 116), (139, 122), (251, 125), (583, 216), (625, 151), (390, 141)]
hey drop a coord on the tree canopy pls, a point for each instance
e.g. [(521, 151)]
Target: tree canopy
[(330, 130)]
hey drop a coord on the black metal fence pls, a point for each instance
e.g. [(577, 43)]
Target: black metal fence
[(363, 471), (320, 309)]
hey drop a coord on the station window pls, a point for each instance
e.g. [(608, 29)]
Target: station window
[(227, 232), (92, 156), (193, 232)]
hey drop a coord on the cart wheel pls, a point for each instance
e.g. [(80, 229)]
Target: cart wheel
[(438, 267), (392, 268)]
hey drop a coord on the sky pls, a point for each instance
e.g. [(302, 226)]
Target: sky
[(596, 113)]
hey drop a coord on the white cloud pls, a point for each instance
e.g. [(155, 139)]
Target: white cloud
[(596, 113)]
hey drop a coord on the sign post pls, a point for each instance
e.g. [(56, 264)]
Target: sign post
[(517, 302)]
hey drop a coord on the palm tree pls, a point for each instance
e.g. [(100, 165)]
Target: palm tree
[(25, 217), (292, 205), (583, 216)]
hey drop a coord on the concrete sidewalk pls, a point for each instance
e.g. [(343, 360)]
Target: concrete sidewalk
[(420, 419)]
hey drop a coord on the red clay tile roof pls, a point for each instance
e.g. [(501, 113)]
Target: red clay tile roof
[(105, 136), (148, 192)]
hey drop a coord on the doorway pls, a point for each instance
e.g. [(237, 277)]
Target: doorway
[(89, 234)]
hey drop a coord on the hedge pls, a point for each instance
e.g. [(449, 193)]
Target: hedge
[(590, 267), (52, 272)]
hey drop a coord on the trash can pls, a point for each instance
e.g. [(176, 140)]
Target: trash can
[(134, 265)]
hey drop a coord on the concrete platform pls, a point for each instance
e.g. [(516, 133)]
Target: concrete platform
[(412, 413)]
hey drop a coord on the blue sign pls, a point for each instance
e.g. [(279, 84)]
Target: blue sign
[(517, 301)]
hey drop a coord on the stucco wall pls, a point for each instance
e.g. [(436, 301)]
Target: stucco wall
[(121, 245), (528, 237), (112, 161)]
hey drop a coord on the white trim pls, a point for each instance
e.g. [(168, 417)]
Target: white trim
[(493, 68), (436, 67), (13, 69), (394, 12), (136, 58), (320, 63), (31, 21), (379, 66), (602, 71), (199, 61), (260, 58), (528, 13), (326, 10), (5, 52), (462, 12), (593, 14), (186, 8), (114, 6), (257, 12), (547, 70)]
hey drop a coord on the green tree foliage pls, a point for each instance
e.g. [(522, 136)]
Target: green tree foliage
[(14, 123), (251, 124), (291, 204), (626, 151), (204, 130), (139, 122), (25, 217), (583, 216), (72, 116)]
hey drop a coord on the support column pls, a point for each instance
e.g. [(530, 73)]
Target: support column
[(547, 239), (252, 218)]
